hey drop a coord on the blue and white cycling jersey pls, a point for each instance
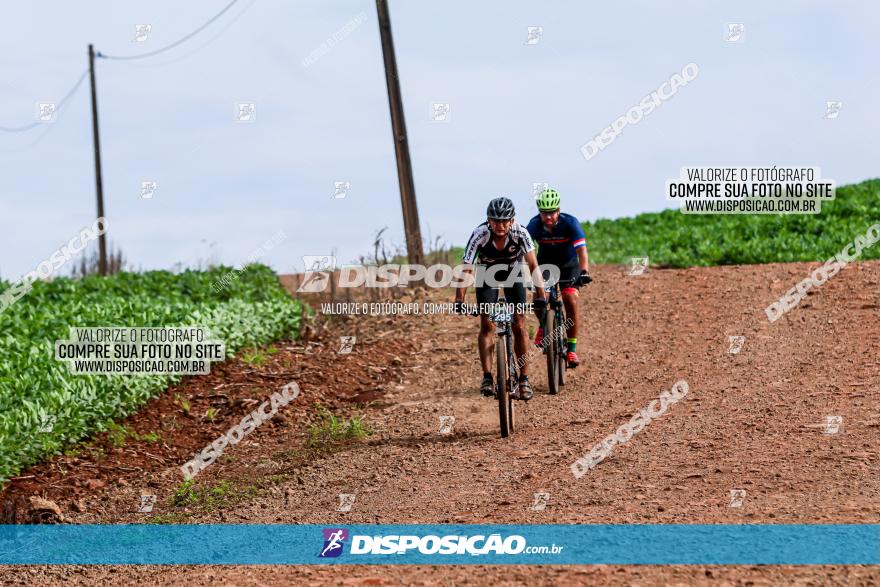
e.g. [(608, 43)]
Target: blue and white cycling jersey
[(559, 246)]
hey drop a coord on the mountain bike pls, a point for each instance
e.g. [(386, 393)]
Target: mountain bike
[(506, 369), (555, 325)]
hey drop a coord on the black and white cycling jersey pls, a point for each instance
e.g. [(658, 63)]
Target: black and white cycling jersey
[(481, 248)]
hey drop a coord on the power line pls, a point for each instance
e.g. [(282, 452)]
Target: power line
[(60, 103), (58, 106), (172, 45), (195, 50)]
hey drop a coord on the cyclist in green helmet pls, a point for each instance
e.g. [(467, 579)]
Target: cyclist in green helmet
[(561, 242)]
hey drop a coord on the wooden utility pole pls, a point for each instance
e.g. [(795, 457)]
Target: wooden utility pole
[(401, 145), (102, 239)]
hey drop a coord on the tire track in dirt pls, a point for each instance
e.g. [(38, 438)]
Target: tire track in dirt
[(751, 421)]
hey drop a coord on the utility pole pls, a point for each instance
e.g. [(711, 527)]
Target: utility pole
[(401, 145), (99, 184)]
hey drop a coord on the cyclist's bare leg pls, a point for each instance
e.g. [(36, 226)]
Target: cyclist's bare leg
[(520, 342), (486, 343), (569, 300)]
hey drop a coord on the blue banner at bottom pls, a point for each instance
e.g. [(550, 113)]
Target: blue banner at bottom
[(649, 544)]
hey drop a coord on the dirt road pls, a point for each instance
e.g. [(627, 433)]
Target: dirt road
[(752, 421)]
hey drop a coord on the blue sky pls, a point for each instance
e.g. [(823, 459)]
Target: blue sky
[(519, 114)]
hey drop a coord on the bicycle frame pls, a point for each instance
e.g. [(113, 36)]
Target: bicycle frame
[(504, 330)]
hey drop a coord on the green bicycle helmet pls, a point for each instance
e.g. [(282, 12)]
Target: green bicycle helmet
[(548, 200)]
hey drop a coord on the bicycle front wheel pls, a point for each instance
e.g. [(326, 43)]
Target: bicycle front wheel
[(501, 389), (559, 341), (552, 352), (512, 376)]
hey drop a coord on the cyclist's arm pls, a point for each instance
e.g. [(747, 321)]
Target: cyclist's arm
[(532, 262), (579, 241), (583, 259), (533, 228), (479, 237), (461, 289)]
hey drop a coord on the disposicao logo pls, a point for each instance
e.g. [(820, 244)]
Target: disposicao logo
[(334, 540), (432, 544)]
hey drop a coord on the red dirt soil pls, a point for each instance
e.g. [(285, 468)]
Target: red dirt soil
[(752, 421)]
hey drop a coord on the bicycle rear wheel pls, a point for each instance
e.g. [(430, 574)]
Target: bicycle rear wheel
[(501, 388)]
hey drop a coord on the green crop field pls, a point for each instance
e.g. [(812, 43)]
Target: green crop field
[(673, 239), (35, 388)]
